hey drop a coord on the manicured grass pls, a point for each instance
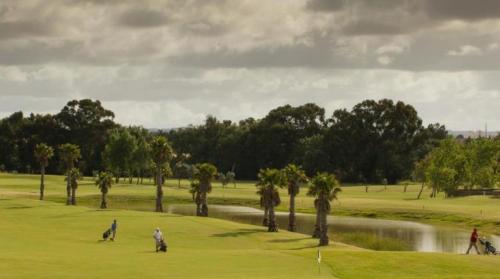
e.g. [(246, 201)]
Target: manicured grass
[(46, 239), (393, 203), (42, 239)]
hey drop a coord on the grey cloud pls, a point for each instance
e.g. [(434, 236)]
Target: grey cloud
[(463, 9), (143, 18), (325, 5), (365, 27), (19, 29)]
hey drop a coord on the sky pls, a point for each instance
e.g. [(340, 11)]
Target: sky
[(165, 64)]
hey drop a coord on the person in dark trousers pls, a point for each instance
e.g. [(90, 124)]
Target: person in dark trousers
[(473, 241), (113, 230)]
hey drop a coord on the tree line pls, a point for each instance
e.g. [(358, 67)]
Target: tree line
[(453, 165), (373, 141)]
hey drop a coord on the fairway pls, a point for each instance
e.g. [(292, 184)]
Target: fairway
[(47, 239), (50, 240)]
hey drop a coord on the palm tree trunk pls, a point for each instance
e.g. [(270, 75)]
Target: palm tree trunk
[(68, 188), (42, 181), (159, 191), (366, 188), (272, 220), (73, 196), (421, 189), (204, 206), (291, 217), (265, 221), (198, 205), (104, 204), (317, 226), (323, 239)]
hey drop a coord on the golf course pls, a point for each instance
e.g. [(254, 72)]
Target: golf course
[(48, 239)]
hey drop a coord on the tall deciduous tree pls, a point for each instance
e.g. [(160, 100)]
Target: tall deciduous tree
[(324, 187), (295, 176), (43, 153), (161, 153), (86, 123), (119, 151), (69, 154), (269, 182)]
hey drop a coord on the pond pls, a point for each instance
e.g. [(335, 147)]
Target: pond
[(419, 237)]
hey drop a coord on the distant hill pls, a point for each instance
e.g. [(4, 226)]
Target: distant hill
[(473, 134)]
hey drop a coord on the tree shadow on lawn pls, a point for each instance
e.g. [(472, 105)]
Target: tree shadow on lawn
[(241, 232), (288, 240), (19, 207)]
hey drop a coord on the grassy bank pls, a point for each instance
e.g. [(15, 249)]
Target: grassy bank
[(42, 239)]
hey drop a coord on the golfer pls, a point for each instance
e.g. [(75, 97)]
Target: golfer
[(113, 229), (158, 236)]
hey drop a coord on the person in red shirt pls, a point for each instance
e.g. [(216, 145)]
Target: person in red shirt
[(473, 241)]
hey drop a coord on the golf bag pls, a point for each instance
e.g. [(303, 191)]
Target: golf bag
[(163, 246), (488, 248), (106, 234)]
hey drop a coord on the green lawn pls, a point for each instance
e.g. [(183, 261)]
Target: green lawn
[(466, 212), (43, 239)]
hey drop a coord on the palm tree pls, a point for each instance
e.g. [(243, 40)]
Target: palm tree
[(269, 182), (205, 173), (195, 191), (231, 178), (104, 182), (74, 175), (295, 176), (263, 204), (325, 188), (69, 153), (162, 153), (43, 153)]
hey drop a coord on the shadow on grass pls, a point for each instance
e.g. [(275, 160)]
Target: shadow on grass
[(288, 240), (19, 207), (305, 247), (241, 232)]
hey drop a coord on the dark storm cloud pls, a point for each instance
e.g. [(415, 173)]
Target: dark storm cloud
[(143, 19)]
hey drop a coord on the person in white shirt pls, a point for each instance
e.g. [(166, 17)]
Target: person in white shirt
[(158, 236)]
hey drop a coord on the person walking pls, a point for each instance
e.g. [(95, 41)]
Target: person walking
[(473, 241), (113, 229), (158, 236)]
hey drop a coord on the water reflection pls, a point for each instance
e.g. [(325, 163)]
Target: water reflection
[(420, 237)]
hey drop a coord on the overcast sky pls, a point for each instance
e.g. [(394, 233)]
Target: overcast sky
[(167, 64)]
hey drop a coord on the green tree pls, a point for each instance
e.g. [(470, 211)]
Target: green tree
[(196, 194), (43, 153), (69, 154), (231, 178), (161, 153), (420, 173), (74, 175), (324, 187), (119, 151), (104, 182), (205, 173), (295, 176), (269, 182), (447, 167)]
